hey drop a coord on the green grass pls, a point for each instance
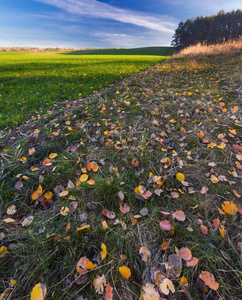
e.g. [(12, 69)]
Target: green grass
[(32, 82)]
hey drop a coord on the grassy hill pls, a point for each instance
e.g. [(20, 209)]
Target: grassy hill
[(128, 191)]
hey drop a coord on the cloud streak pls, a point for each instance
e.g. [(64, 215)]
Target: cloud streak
[(96, 9)]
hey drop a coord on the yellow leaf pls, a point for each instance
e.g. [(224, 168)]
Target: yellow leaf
[(229, 207), (104, 225), (180, 177), (184, 281), (125, 272), (48, 195), (214, 179), (90, 265), (64, 211), (53, 155), (83, 227), (222, 231), (3, 251), (83, 178), (103, 253), (38, 292)]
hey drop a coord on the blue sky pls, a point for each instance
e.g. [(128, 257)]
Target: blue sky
[(98, 24)]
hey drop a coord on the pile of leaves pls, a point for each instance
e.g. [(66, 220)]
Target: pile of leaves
[(131, 193)]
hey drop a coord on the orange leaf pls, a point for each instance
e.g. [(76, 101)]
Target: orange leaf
[(201, 134), (145, 253), (125, 272), (90, 265), (193, 262), (229, 207), (204, 229), (108, 292), (209, 280), (124, 209), (165, 244), (134, 162)]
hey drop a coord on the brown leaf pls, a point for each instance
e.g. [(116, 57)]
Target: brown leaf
[(179, 215), (145, 253), (109, 214), (204, 229)]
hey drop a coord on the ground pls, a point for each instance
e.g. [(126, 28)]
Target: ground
[(144, 174)]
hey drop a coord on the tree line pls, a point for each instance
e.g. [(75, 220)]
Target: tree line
[(214, 29)]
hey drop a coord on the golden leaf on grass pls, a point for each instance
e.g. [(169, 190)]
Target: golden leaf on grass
[(90, 265), (222, 231), (11, 210), (83, 227), (48, 195), (209, 280), (38, 292), (165, 244), (103, 253), (3, 251), (149, 292), (180, 177), (64, 211), (83, 178), (104, 225), (166, 286), (214, 179), (184, 281), (125, 272), (229, 207), (53, 155), (99, 284), (145, 253)]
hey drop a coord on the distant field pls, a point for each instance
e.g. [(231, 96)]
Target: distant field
[(30, 82)]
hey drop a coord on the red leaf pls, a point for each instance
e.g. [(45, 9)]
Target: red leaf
[(124, 209)]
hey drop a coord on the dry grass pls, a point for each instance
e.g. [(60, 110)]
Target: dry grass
[(200, 49)]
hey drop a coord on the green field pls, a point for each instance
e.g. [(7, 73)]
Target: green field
[(32, 82)]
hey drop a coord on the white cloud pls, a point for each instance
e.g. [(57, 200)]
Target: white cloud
[(93, 8)]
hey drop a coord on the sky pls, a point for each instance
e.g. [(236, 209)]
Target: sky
[(99, 24)]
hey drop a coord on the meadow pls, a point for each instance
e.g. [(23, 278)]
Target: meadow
[(131, 193), (31, 82)]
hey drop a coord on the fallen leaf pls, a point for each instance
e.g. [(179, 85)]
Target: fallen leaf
[(134, 162), (166, 225), (18, 186), (229, 207), (180, 177), (204, 190), (209, 280), (185, 253), (80, 266), (90, 265), (179, 215), (121, 196), (64, 211), (11, 210), (99, 284), (193, 262), (63, 193), (38, 292), (53, 155), (204, 229), (3, 252), (83, 178), (27, 221), (83, 227), (103, 253), (124, 209), (145, 253), (165, 244), (108, 292), (149, 292), (166, 286), (125, 272), (109, 214), (214, 179)]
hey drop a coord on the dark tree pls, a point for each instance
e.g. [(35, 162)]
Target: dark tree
[(208, 30)]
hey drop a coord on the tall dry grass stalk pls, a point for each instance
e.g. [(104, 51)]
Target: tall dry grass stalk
[(200, 49)]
